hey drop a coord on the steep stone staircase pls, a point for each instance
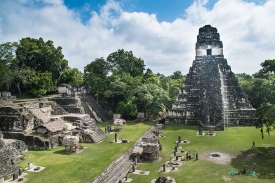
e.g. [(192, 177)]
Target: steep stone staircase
[(95, 132), (91, 107)]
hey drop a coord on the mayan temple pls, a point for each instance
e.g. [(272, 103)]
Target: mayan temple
[(211, 95)]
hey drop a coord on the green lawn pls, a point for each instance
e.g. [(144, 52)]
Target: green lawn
[(235, 141), (85, 166)]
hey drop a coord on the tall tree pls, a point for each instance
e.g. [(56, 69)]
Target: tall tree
[(151, 98), (41, 57), (72, 76), (96, 77), (124, 84), (265, 117), (268, 67), (126, 62)]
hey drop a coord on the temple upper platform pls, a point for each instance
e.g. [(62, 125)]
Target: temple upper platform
[(208, 42)]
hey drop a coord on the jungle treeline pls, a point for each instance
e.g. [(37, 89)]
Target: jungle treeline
[(121, 83)]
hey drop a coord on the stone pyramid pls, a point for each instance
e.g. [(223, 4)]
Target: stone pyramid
[(211, 96)]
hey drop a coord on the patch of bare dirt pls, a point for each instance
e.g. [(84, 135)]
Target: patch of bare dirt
[(226, 178), (250, 156), (222, 159)]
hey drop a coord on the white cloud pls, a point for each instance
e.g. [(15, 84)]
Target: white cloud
[(245, 28)]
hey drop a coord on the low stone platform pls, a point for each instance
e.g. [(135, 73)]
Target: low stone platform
[(174, 163), (199, 134), (212, 134), (184, 142), (128, 180), (141, 172), (154, 180), (168, 169), (20, 177), (35, 168)]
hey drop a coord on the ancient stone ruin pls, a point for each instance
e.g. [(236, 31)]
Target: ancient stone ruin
[(33, 123), (147, 149), (211, 95), (11, 150)]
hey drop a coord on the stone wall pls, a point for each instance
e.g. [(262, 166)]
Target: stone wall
[(11, 151), (10, 118), (69, 104), (35, 142)]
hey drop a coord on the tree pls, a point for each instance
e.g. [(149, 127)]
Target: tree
[(41, 57), (177, 75), (72, 76), (124, 84), (7, 57), (125, 61), (268, 68), (40, 84), (96, 77), (265, 117), (127, 110), (151, 98)]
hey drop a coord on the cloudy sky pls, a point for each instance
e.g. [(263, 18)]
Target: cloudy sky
[(161, 32)]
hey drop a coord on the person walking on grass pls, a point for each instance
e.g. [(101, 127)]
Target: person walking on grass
[(253, 144)]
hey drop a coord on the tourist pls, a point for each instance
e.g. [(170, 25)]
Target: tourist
[(253, 144)]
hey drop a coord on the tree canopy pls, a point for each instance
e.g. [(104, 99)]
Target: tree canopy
[(123, 84), (35, 66), (260, 89)]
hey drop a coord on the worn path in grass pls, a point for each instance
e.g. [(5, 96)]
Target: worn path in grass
[(83, 167), (234, 144)]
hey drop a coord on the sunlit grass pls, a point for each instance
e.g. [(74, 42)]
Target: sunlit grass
[(235, 141), (85, 166)]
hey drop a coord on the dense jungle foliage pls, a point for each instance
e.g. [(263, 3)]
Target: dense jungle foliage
[(260, 89)]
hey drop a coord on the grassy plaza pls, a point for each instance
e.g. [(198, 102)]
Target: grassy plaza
[(234, 143)]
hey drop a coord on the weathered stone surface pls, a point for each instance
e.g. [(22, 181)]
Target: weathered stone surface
[(69, 104), (70, 140), (7, 170), (39, 143), (11, 151), (54, 141), (211, 95), (92, 108)]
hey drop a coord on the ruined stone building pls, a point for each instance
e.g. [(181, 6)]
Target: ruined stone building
[(211, 95)]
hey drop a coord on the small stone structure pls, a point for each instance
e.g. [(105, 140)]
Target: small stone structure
[(140, 116), (65, 89), (52, 127), (118, 121), (211, 94), (158, 129), (72, 142), (6, 98), (147, 148)]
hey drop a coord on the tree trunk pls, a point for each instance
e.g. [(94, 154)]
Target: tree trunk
[(18, 87)]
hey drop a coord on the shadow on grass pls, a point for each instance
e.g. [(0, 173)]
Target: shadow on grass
[(180, 127), (260, 158), (147, 123), (62, 152)]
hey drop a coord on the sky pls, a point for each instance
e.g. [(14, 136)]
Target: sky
[(161, 32)]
